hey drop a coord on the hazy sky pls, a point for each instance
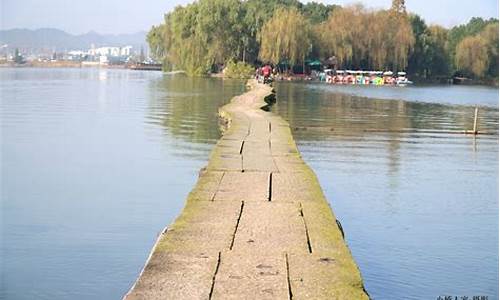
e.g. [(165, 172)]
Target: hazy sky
[(119, 16)]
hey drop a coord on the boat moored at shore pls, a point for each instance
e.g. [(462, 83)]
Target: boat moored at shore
[(364, 77)]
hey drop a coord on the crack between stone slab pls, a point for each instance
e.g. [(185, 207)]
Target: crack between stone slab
[(290, 294), (309, 247), (270, 195), (213, 278), (242, 143), (241, 154), (241, 148), (218, 186), (237, 225)]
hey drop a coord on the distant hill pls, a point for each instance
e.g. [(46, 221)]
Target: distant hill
[(58, 40)]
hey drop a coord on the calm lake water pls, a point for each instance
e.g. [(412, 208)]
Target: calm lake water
[(420, 210), (94, 163)]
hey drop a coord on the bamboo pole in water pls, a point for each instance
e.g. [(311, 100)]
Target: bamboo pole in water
[(474, 130)]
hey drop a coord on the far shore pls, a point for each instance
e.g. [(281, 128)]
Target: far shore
[(59, 64), (294, 77)]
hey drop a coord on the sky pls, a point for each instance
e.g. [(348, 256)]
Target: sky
[(120, 16)]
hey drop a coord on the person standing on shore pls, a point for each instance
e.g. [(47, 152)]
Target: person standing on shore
[(266, 72)]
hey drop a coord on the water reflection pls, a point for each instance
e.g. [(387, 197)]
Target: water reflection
[(187, 107), (351, 115)]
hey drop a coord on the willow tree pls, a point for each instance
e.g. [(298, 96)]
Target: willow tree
[(187, 49), (490, 36), (219, 26), (403, 44), (202, 35), (377, 39), (472, 55), (476, 54), (336, 35), (156, 41), (286, 36), (400, 35), (459, 32), (361, 38)]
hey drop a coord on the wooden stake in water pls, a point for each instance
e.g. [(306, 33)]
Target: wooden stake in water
[(474, 130)]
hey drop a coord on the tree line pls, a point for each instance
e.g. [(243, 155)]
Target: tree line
[(203, 36)]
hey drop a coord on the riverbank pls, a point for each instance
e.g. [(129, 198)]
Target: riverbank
[(491, 82), (255, 225)]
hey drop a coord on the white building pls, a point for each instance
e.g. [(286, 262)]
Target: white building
[(111, 51), (126, 51), (104, 51), (77, 53)]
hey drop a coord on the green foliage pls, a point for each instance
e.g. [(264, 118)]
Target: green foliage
[(473, 27), (470, 49), (317, 12), (490, 35), (417, 63), (155, 39), (239, 69), (460, 32), (478, 54), (429, 57), (202, 36)]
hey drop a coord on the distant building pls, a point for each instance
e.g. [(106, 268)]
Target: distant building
[(75, 55), (111, 51), (109, 55), (103, 60), (126, 51)]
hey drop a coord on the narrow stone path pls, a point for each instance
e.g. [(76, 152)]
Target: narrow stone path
[(255, 226)]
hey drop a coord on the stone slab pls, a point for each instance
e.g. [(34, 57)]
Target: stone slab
[(251, 276), (243, 186), (324, 277), (207, 185), (275, 227), (176, 276)]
